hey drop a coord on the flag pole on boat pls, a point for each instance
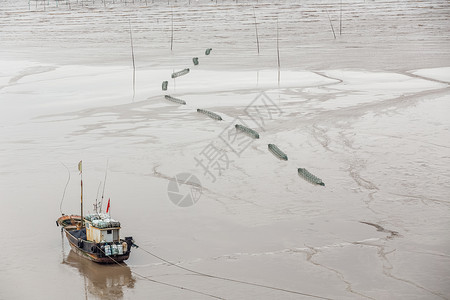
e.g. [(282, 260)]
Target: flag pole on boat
[(108, 209), (80, 168)]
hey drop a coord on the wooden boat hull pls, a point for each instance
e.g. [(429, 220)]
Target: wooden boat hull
[(93, 252), (100, 260), (68, 221)]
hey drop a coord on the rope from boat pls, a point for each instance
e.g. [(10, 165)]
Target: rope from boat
[(233, 280), (64, 193), (161, 282)]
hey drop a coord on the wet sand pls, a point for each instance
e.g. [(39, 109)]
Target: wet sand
[(366, 112)]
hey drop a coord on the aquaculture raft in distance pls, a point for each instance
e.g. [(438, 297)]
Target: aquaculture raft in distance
[(277, 152), (180, 73), (310, 177), (210, 114), (248, 131), (176, 100), (164, 85)]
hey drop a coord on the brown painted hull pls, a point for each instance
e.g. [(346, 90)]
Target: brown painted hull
[(91, 251), (68, 220)]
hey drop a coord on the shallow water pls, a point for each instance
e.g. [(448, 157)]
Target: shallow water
[(372, 34), (366, 112)]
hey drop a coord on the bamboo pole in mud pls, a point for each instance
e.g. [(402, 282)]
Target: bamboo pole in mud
[(134, 65), (256, 30), (174, 78), (331, 24), (171, 36), (278, 54), (340, 19)]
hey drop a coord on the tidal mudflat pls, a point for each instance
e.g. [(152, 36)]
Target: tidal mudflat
[(364, 109)]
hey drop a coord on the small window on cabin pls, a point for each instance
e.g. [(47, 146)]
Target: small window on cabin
[(109, 231)]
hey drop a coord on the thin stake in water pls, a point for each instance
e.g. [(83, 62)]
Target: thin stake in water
[(331, 24), (340, 20), (134, 65), (278, 54), (171, 37), (256, 29)]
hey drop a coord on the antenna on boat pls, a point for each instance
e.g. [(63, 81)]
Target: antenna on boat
[(80, 168), (96, 198), (104, 184)]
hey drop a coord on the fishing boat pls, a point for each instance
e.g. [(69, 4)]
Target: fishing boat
[(95, 236)]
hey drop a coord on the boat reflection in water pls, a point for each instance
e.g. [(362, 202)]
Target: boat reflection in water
[(103, 281)]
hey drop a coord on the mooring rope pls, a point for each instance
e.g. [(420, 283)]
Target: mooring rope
[(161, 282), (65, 188), (233, 280)]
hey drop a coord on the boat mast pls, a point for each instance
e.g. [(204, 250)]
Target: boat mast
[(104, 184), (96, 199), (80, 168)]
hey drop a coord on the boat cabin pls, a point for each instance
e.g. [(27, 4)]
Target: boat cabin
[(100, 228)]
